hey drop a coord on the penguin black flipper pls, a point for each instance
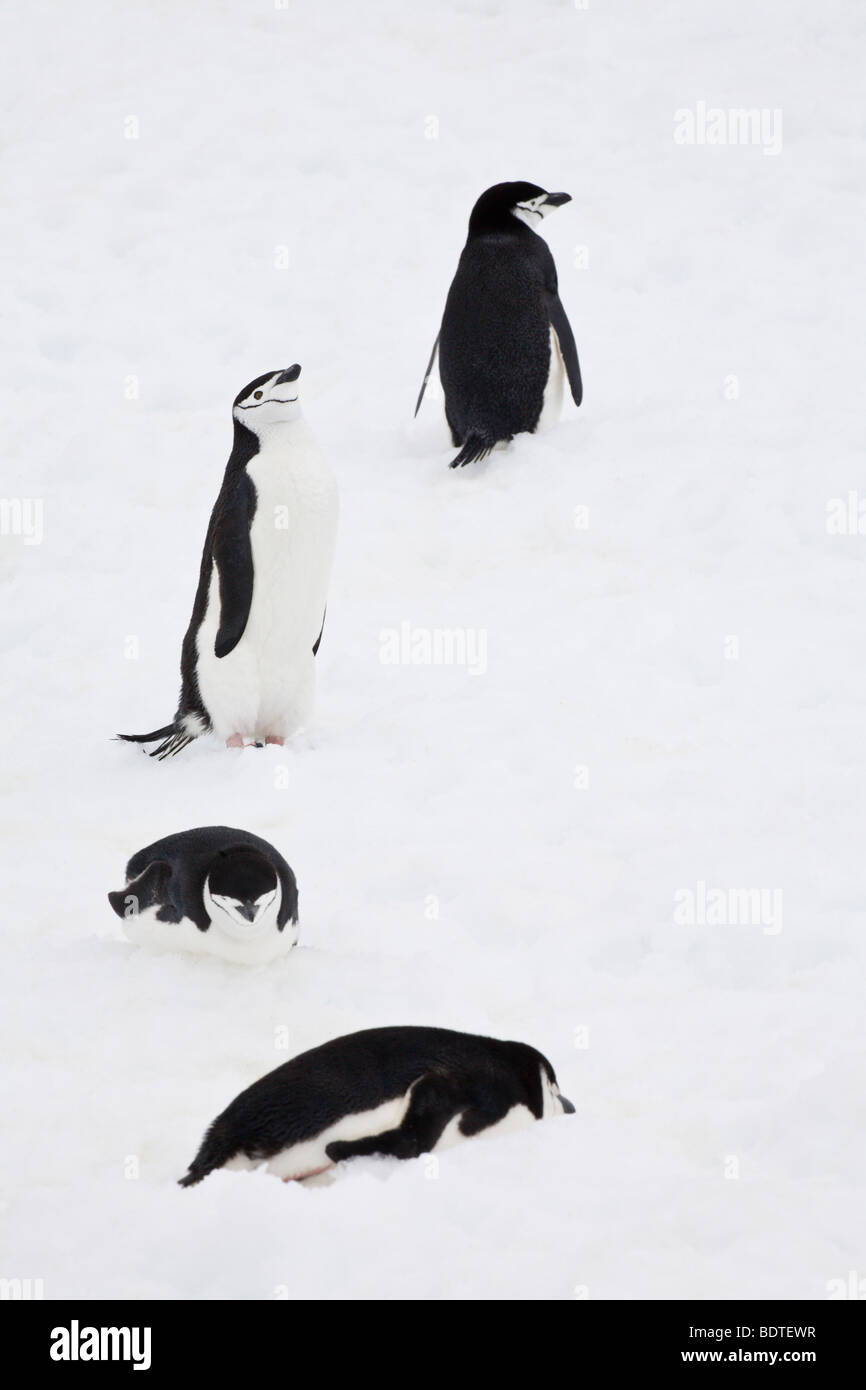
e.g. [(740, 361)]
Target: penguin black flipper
[(228, 546), (567, 346), (435, 1100), (427, 375), (143, 890), (289, 892), (233, 557)]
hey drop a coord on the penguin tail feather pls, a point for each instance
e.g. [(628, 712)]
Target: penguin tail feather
[(191, 1178), (172, 740), (149, 738), (213, 1153), (476, 446)]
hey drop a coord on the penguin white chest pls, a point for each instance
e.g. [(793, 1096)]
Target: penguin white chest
[(292, 540), (265, 686)]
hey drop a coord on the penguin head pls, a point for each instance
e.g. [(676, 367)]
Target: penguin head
[(270, 400), (242, 893), (527, 202)]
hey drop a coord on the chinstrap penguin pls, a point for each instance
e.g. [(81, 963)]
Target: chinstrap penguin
[(247, 662), (213, 891), (505, 339), (399, 1092)]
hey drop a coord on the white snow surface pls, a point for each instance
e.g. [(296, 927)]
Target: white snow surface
[(673, 693)]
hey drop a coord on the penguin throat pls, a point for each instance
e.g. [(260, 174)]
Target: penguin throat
[(531, 217)]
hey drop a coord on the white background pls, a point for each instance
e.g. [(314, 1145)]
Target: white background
[(154, 258)]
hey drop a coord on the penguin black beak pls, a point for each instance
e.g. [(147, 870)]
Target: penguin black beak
[(290, 374), (556, 200), (248, 910), (567, 1106)]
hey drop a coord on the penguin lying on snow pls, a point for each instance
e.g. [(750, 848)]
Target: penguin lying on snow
[(247, 664), (505, 337), (395, 1091), (214, 891)]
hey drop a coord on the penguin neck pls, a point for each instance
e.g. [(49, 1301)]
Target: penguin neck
[(249, 443), (245, 446), (498, 224)]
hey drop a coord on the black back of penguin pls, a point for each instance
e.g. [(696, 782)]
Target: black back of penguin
[(361, 1071), (170, 874), (232, 513), (494, 342)]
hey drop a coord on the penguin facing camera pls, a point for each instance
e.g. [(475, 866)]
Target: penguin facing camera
[(505, 342), (212, 891), (248, 657), (399, 1092)]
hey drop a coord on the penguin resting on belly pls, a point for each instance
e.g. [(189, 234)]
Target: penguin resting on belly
[(399, 1092), (505, 342), (248, 657)]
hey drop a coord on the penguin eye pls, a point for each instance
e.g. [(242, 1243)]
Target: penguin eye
[(257, 395)]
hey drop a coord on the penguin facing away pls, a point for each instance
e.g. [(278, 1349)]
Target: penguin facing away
[(212, 891), (399, 1092), (248, 657), (505, 340)]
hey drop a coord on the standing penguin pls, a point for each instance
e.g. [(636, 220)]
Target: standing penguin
[(505, 339), (247, 663), (401, 1092), (213, 890)]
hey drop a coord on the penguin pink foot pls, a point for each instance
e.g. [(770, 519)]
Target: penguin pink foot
[(271, 738), (313, 1173), (236, 741)]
